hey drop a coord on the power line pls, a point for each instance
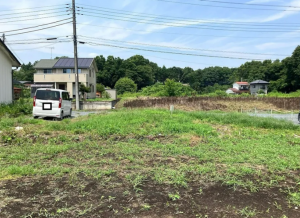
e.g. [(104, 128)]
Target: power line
[(34, 7), (250, 4), (215, 6), (185, 34), (103, 9), (59, 15), (42, 42), (146, 55), (33, 15), (27, 40), (190, 22), (168, 52), (35, 26), (33, 11), (7, 43), (179, 24), (183, 48), (35, 47), (39, 29)]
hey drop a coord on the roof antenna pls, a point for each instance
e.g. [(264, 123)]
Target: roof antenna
[(51, 50)]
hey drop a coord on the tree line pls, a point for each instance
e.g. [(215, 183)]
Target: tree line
[(283, 75)]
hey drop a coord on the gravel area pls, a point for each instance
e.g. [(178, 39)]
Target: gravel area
[(290, 117)]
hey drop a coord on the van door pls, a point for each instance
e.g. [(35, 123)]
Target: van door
[(66, 103)]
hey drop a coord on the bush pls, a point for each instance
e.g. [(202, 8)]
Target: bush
[(106, 95), (18, 108), (125, 85), (100, 88), (171, 88)]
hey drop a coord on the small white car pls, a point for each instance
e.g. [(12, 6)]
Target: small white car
[(54, 103)]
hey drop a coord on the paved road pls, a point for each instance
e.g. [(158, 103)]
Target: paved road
[(289, 117)]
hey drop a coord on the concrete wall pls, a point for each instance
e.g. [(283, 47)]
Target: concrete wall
[(255, 88), (112, 93), (5, 78), (103, 105)]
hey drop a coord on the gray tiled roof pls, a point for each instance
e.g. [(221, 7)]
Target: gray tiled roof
[(69, 63), (45, 64), (259, 82)]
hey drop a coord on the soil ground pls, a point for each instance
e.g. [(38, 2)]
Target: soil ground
[(56, 197), (148, 163)]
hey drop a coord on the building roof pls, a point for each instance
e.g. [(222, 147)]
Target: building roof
[(259, 82), (242, 83), (69, 63), (45, 64), (15, 61)]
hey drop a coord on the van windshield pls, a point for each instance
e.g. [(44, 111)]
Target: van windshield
[(47, 95)]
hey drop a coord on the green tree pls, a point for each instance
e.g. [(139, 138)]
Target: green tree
[(25, 73), (100, 62), (139, 70), (125, 85), (61, 57), (100, 88), (83, 89)]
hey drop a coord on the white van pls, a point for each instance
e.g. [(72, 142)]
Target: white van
[(54, 103)]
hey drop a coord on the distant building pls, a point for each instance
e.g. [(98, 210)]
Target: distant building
[(7, 61), (59, 74), (258, 85), (239, 88)]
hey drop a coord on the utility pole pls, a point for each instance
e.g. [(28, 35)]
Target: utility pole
[(75, 55), (3, 36)]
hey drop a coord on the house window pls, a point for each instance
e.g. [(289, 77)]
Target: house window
[(79, 70), (263, 87), (67, 71), (47, 71), (253, 86)]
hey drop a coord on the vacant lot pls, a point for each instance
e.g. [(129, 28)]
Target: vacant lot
[(148, 163)]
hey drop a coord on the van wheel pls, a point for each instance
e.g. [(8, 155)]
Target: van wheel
[(70, 113), (299, 118), (60, 118), (35, 117)]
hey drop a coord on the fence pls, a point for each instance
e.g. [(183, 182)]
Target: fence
[(212, 103)]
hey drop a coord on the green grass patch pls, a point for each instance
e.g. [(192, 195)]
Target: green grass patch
[(140, 145)]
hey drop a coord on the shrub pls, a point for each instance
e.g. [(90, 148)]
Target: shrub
[(18, 108), (125, 85), (100, 88)]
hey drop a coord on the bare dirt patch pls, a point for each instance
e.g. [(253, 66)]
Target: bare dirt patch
[(87, 197)]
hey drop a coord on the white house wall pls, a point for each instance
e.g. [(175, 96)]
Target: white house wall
[(5, 79), (236, 86)]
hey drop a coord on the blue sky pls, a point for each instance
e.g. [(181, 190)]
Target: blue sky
[(173, 35)]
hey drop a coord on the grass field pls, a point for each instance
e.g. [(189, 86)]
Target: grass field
[(149, 163)]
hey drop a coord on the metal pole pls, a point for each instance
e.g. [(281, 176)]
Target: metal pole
[(75, 55), (3, 36)]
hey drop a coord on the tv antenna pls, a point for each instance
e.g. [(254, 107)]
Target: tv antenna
[(51, 50)]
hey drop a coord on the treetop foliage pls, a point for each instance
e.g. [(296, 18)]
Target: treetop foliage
[(283, 75)]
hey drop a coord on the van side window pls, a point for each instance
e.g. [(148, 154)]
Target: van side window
[(65, 96)]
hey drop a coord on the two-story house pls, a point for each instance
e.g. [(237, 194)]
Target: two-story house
[(239, 88), (259, 85), (60, 74)]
